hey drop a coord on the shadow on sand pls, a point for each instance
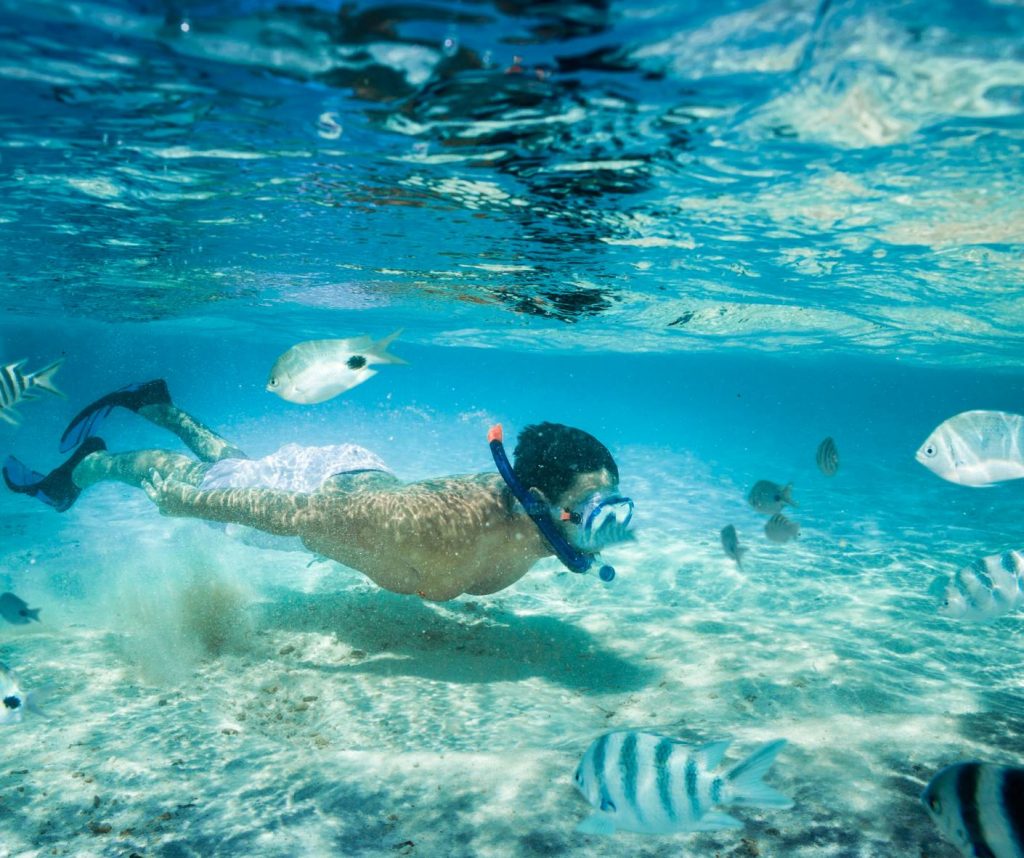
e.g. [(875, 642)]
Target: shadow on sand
[(465, 642)]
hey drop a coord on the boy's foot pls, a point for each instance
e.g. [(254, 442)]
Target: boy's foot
[(132, 397), (56, 488)]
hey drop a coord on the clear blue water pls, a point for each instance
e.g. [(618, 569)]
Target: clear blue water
[(709, 235)]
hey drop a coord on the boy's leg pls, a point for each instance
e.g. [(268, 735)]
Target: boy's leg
[(91, 463), (135, 466), (152, 400), (200, 439)]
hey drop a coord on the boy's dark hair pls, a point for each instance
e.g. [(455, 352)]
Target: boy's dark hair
[(548, 456)]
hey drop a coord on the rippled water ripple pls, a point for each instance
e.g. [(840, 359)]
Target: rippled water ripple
[(767, 175)]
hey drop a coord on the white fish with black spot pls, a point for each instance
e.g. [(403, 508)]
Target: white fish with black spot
[(986, 589), (318, 370), (653, 784), (17, 387), (979, 808), (14, 700), (976, 448)]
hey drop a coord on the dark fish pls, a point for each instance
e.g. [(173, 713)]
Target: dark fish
[(781, 529), (17, 386), (979, 807), (16, 611), (731, 544), (827, 457), (769, 497)]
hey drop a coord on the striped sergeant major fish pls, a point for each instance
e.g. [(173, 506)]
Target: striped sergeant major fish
[(827, 457), (654, 784), (979, 807), (17, 386), (984, 590)]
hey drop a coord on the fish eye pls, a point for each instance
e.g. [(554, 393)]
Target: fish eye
[(929, 450), (935, 804), (273, 382)]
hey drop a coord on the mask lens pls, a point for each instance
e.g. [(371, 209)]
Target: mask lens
[(603, 520), (616, 511)]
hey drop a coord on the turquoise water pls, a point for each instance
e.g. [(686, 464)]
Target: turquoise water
[(710, 236)]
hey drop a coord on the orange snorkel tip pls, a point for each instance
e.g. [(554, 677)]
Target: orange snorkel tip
[(495, 434)]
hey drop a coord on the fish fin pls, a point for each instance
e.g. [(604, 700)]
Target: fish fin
[(10, 415), (937, 589), (44, 378), (380, 351), (355, 344), (597, 823), (787, 495), (365, 375), (715, 820), (34, 699), (33, 614), (712, 752), (744, 779)]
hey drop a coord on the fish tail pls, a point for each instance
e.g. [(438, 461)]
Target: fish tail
[(745, 779), (35, 699), (33, 614), (380, 348), (787, 495), (44, 377)]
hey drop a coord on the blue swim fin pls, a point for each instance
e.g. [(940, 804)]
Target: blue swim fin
[(56, 488), (132, 397)]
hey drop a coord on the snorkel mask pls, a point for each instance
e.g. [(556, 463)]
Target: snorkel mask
[(600, 520)]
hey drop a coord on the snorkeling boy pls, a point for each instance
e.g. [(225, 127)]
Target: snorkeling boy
[(437, 538)]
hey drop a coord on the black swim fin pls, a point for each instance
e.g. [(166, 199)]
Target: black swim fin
[(56, 489), (132, 397)]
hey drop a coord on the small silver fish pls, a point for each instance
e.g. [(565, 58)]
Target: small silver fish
[(318, 370), (781, 529), (14, 701), (17, 387), (979, 807), (653, 784), (16, 610), (976, 448), (827, 457), (769, 497), (986, 589), (731, 544)]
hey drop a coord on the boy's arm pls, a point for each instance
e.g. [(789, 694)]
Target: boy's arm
[(278, 512)]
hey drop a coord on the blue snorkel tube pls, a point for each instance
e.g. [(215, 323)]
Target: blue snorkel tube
[(574, 560)]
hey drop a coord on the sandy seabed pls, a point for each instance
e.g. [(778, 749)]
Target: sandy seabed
[(208, 698)]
